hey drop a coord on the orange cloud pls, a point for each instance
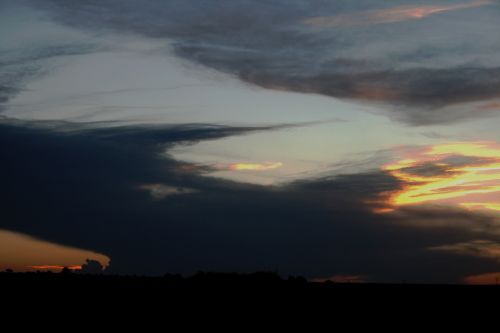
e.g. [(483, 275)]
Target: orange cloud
[(483, 279), (254, 166), (490, 106), (391, 15), (24, 253), (465, 174)]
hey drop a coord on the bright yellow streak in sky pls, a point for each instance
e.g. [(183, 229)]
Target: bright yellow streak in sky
[(255, 166), (454, 184), (485, 205)]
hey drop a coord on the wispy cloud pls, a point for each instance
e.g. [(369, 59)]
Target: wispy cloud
[(161, 191), (251, 166), (477, 248), (490, 106), (463, 173), (391, 15), (424, 73)]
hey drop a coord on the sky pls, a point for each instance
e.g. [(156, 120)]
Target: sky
[(342, 140)]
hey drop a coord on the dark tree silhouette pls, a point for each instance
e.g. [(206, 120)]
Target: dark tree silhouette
[(92, 267), (66, 271)]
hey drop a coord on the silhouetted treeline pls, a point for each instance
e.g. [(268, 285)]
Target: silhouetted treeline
[(208, 281), (202, 280)]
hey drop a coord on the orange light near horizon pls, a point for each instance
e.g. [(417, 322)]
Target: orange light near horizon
[(55, 267), (483, 279), (473, 183), (23, 253), (255, 166)]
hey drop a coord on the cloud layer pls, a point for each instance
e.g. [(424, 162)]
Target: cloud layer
[(81, 188), (116, 189), (390, 15), (425, 70)]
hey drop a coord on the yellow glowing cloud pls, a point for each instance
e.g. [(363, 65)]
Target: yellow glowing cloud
[(391, 15), (477, 177), (484, 205), (255, 166)]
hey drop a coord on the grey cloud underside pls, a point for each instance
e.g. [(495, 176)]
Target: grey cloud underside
[(80, 188), (420, 67)]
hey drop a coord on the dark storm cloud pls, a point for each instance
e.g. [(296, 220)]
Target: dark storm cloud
[(81, 188), (424, 65)]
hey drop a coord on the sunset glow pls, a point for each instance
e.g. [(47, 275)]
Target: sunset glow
[(311, 141), (21, 253), (255, 166), (483, 279), (465, 174), (424, 11), (483, 205), (55, 267)]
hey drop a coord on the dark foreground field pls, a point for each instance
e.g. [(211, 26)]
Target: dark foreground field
[(226, 283), (220, 297)]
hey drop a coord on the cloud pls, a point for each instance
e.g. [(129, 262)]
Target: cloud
[(250, 166), (77, 184), (420, 72), (476, 248), (30, 43), (160, 191), (391, 15), (459, 173), (490, 106), (83, 192)]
